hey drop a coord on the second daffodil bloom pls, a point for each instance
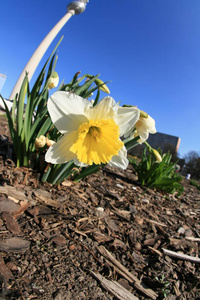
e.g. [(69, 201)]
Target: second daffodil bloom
[(91, 135), (144, 126)]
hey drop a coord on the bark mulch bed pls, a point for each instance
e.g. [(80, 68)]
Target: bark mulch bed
[(104, 238)]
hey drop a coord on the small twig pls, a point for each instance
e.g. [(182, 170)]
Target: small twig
[(156, 223), (181, 256), (189, 238)]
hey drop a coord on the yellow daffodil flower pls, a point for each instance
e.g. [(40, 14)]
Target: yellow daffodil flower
[(90, 134)]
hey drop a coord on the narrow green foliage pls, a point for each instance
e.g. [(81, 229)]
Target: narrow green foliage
[(86, 172), (60, 172), (29, 117), (161, 175)]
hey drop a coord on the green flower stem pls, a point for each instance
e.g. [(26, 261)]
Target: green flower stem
[(63, 170), (131, 143), (86, 172), (46, 173)]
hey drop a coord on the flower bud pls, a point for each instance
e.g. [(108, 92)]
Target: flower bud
[(157, 155), (104, 87), (53, 80), (40, 142)]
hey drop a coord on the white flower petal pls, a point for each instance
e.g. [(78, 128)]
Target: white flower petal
[(143, 137), (147, 124), (126, 118), (67, 110), (105, 109), (120, 160), (78, 163), (59, 152), (152, 127)]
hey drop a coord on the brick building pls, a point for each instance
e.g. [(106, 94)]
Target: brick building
[(159, 140)]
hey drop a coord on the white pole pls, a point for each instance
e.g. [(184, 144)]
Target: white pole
[(75, 7)]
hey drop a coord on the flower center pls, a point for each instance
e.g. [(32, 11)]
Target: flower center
[(97, 142), (95, 133)]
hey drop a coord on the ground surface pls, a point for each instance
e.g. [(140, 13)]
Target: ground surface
[(65, 242)]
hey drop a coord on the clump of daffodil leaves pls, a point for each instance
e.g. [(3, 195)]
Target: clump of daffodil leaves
[(73, 134)]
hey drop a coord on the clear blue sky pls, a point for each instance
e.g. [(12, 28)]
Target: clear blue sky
[(149, 49)]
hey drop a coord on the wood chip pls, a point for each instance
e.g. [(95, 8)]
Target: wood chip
[(101, 238), (5, 273), (23, 207), (114, 288), (119, 268), (8, 205), (111, 224), (13, 192), (119, 244), (59, 240), (14, 244), (45, 197), (11, 223)]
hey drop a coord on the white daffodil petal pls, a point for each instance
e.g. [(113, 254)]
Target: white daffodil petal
[(147, 124), (151, 123), (59, 152), (126, 118), (78, 163), (152, 129), (105, 109), (120, 160), (67, 110), (143, 137)]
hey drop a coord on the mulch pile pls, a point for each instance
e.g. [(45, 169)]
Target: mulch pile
[(105, 237)]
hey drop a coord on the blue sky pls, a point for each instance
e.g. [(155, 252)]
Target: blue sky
[(149, 49)]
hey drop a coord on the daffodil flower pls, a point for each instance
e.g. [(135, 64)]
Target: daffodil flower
[(91, 134), (143, 127)]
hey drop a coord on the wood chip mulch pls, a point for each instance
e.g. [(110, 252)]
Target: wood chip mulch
[(105, 237)]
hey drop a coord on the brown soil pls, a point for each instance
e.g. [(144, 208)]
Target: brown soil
[(53, 238)]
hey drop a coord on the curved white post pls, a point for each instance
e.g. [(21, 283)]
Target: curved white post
[(39, 52)]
